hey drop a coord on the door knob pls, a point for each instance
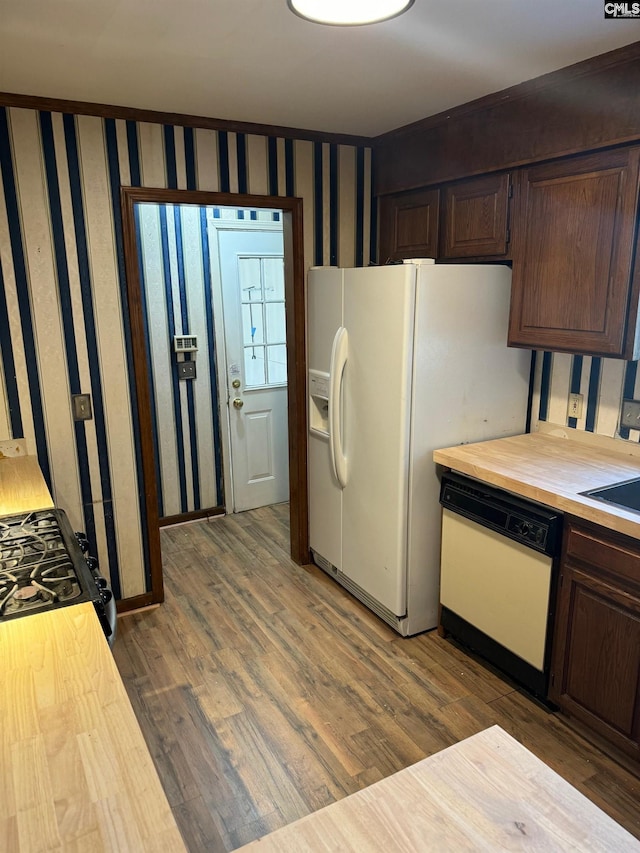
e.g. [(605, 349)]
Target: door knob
[(238, 403)]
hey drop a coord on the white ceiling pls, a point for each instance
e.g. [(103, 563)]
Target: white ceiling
[(253, 60)]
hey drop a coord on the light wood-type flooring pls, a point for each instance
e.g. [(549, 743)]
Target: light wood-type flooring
[(265, 691)]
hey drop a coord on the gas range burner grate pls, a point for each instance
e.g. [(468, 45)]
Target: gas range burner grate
[(36, 569), (28, 523)]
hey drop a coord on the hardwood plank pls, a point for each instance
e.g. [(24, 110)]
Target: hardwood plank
[(268, 778), (616, 794), (198, 828), (278, 693)]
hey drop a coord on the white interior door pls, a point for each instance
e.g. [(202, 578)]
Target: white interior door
[(252, 275)]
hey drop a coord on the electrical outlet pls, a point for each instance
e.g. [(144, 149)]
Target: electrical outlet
[(575, 405)]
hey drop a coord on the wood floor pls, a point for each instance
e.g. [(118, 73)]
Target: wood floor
[(265, 691)]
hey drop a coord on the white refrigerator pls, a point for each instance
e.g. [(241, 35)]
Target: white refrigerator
[(403, 359)]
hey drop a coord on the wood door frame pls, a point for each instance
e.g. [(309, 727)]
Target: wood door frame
[(293, 237)]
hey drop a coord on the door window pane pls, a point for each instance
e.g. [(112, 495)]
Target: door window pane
[(252, 327), (277, 364), (254, 374), (276, 331), (273, 269), (249, 274)]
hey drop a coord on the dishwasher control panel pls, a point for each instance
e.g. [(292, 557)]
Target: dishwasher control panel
[(531, 524), (528, 530)]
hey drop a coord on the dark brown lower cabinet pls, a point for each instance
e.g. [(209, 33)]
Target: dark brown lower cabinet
[(595, 674)]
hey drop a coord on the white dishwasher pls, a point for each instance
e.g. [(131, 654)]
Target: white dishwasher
[(497, 576)]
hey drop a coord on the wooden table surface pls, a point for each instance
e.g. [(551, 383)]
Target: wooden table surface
[(552, 471), (22, 486), (486, 793), (75, 772)]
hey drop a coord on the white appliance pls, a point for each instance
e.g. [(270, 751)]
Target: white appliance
[(403, 359), (497, 576)]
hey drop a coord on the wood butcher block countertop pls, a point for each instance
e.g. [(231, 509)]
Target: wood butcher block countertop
[(552, 470), (485, 793), (22, 486), (75, 772)]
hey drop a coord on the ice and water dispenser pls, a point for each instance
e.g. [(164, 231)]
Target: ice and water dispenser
[(319, 402)]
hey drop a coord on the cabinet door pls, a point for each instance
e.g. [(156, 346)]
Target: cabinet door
[(595, 673), (475, 217), (409, 225), (572, 247)]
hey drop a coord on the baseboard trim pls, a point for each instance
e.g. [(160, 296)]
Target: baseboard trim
[(196, 515)]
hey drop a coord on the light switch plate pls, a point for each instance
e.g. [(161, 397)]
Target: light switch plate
[(186, 370), (630, 414), (81, 407)]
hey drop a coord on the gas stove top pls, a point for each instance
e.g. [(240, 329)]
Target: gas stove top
[(37, 567)]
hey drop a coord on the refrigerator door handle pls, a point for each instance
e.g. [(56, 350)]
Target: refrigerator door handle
[(339, 355)]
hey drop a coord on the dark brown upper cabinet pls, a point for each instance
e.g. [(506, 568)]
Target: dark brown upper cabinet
[(573, 235), (409, 225), (595, 671), (475, 217)]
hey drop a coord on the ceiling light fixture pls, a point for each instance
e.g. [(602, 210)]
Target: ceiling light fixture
[(348, 13)]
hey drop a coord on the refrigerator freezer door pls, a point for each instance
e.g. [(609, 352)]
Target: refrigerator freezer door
[(324, 318), (468, 386), (324, 314), (471, 386), (378, 316)]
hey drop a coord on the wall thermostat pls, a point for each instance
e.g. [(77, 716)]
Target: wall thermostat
[(185, 343)]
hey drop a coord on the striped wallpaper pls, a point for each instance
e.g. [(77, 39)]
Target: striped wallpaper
[(63, 316), (175, 276), (603, 382)]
